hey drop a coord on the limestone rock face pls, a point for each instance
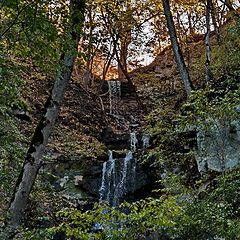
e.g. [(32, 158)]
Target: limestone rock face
[(218, 148)]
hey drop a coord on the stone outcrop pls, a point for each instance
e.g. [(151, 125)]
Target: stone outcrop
[(218, 148), (135, 178)]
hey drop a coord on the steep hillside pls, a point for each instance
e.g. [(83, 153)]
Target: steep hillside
[(85, 116), (107, 116)]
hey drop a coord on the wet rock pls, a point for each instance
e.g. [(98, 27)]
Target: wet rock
[(78, 201), (22, 115), (89, 181), (60, 184), (134, 180), (78, 180), (115, 141)]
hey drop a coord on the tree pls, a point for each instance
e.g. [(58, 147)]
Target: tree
[(176, 48), (229, 5), (33, 159), (207, 42), (214, 20)]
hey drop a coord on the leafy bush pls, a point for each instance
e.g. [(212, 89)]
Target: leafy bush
[(217, 214), (11, 150), (128, 221), (179, 217)]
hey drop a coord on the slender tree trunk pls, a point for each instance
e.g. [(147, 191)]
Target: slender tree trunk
[(125, 41), (190, 26), (123, 59), (107, 65), (88, 75), (176, 49), (208, 75), (40, 138), (215, 24)]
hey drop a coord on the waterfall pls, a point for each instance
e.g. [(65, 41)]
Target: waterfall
[(121, 186), (114, 88), (110, 155), (118, 177), (145, 141), (102, 189), (119, 174), (133, 142), (108, 178), (111, 175)]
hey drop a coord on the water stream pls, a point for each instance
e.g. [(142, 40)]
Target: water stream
[(133, 141), (145, 141), (118, 175)]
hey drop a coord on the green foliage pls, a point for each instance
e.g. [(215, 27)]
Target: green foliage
[(11, 150), (210, 109), (169, 145), (217, 214), (128, 221), (179, 217), (226, 58), (162, 131), (26, 31), (205, 107), (219, 100)]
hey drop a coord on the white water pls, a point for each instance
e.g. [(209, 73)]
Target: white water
[(114, 88), (117, 175), (111, 175), (108, 178), (133, 142), (145, 141), (110, 155), (121, 186), (103, 184)]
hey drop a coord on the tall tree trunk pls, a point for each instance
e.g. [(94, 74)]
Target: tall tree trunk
[(33, 160), (208, 74), (125, 40), (123, 59), (88, 74), (176, 49), (190, 26), (215, 24), (107, 65)]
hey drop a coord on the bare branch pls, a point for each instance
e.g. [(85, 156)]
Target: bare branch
[(14, 21)]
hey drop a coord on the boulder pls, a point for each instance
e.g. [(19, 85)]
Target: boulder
[(218, 148)]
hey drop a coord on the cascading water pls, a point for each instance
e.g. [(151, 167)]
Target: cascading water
[(145, 141), (121, 186), (102, 189), (108, 178), (118, 177), (114, 88), (133, 141)]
